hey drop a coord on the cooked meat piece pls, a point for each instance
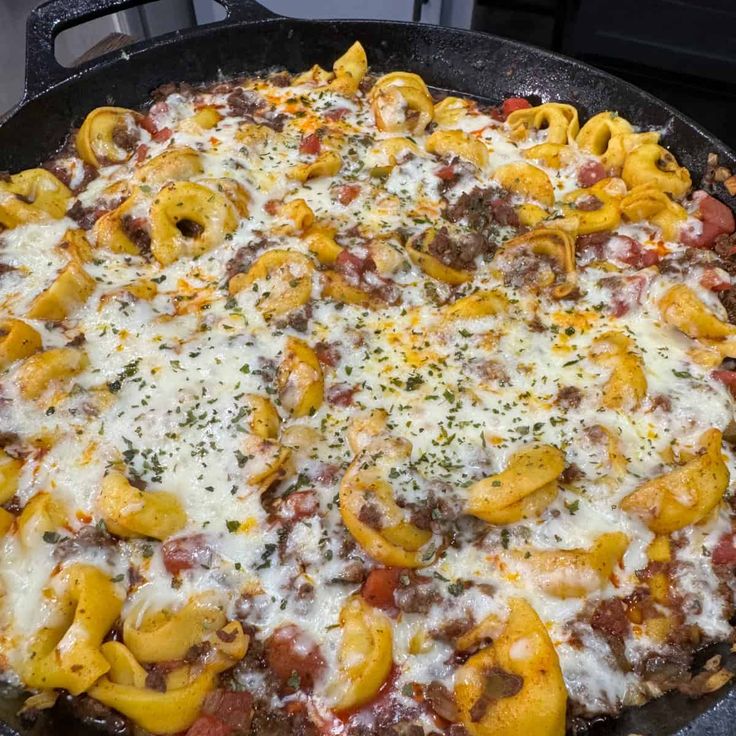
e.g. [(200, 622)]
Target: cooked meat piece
[(728, 299), (136, 229), (164, 90), (441, 700), (64, 173), (571, 474), (370, 515), (125, 137), (251, 106), (484, 210), (569, 397), (280, 79), (609, 617), (455, 627), (498, 684), (417, 597), (459, 251), (88, 537)]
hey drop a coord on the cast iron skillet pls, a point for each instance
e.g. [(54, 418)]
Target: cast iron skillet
[(254, 39)]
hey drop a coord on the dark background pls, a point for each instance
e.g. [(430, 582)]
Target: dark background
[(683, 51)]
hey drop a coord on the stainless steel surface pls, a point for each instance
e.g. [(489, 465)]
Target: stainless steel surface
[(455, 13)]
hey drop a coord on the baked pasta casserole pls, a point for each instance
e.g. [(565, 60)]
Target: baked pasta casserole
[(332, 405)]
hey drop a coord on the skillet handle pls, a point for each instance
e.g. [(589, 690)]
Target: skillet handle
[(247, 10), (43, 71)]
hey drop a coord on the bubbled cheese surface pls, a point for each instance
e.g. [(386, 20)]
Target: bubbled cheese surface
[(180, 364)]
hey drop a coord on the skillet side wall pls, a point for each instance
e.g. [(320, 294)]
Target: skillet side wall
[(474, 64)]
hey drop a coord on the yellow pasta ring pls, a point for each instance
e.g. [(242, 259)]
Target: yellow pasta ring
[(95, 140), (284, 280), (18, 340), (188, 219)]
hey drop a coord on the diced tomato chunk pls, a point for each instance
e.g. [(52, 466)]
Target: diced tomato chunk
[(724, 553), (336, 113), (209, 726), (184, 553), (626, 293), (326, 473), (717, 213), (632, 252), (512, 104), (162, 135), (590, 173), (341, 394), (234, 709), (727, 378), (717, 219), (352, 267), (310, 144), (300, 505), (714, 280), (378, 588), (347, 193), (446, 173), (294, 659), (148, 124), (141, 152), (327, 353), (272, 207)]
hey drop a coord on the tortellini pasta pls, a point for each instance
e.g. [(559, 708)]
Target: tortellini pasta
[(681, 308), (125, 686), (626, 386), (649, 202), (50, 367), (525, 179), (130, 512), (300, 380), (281, 278), (349, 70), (401, 103), (166, 636), (573, 573), (595, 136), (365, 656), (514, 685), (556, 245), (96, 140), (68, 655), (524, 489), (370, 512), (598, 207), (70, 289), (478, 304), (31, 196), (188, 219), (650, 162), (327, 164), (460, 144), (558, 121), (18, 340), (10, 469), (684, 496)]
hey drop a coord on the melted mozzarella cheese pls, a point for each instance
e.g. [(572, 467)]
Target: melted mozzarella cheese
[(181, 363)]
